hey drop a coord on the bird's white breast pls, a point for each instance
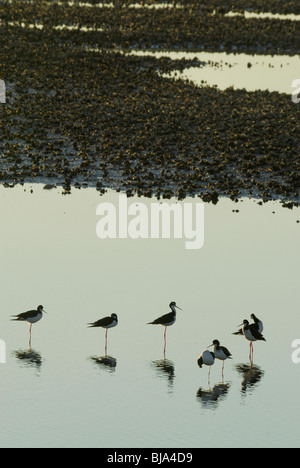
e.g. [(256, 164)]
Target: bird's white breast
[(170, 323), (208, 358), (248, 335), (36, 318), (112, 324), (219, 353)]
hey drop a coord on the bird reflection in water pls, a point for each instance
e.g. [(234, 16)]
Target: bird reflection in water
[(29, 357), (165, 369), (108, 363), (211, 398), (252, 375)]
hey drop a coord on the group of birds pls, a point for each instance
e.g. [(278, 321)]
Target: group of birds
[(252, 332)]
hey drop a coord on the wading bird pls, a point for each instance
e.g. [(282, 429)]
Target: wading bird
[(207, 358), (32, 316), (221, 352), (106, 322), (166, 321), (251, 333), (257, 322)]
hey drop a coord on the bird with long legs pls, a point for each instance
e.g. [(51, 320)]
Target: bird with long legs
[(251, 334), (106, 323), (166, 321), (32, 316), (207, 358), (221, 353), (256, 321)]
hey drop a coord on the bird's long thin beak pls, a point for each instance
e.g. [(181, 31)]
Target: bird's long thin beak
[(240, 325), (209, 346), (45, 311), (178, 308)]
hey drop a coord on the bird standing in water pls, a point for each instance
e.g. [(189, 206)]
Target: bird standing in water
[(32, 316), (221, 353), (106, 322), (256, 321), (207, 358), (251, 333), (166, 321)]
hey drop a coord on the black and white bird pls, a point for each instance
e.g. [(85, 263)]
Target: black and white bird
[(251, 333), (221, 353), (167, 320), (32, 316), (106, 322), (259, 324), (256, 321), (207, 358)]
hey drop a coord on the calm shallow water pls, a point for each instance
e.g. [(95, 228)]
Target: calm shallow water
[(62, 395), (240, 71)]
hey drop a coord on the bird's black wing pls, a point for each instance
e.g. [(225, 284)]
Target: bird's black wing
[(104, 322), (226, 352), (255, 332), (25, 315), (163, 319)]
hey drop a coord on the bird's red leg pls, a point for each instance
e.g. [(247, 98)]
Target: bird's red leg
[(251, 352), (252, 358), (30, 335), (106, 342)]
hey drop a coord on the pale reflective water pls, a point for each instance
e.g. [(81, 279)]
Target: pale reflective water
[(65, 392), (240, 71)]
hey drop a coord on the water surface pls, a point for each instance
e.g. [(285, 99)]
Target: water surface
[(240, 71), (64, 392)]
